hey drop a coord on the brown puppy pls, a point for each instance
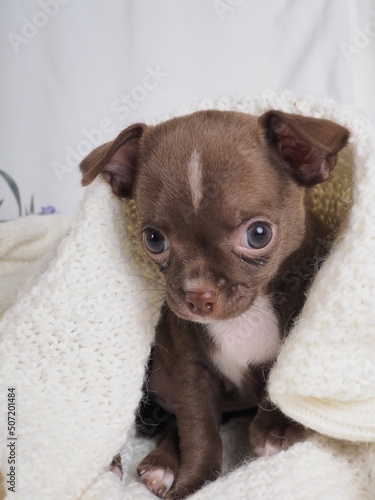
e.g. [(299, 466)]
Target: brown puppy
[(222, 199)]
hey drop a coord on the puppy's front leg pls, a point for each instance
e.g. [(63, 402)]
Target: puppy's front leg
[(198, 395)]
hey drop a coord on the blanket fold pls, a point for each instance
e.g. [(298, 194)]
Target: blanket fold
[(75, 345), (325, 375)]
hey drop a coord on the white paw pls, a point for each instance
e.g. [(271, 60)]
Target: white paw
[(158, 481), (268, 449)]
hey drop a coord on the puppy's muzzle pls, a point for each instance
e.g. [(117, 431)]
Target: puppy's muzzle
[(201, 303)]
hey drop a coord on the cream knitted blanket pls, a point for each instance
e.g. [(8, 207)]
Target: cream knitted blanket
[(74, 346)]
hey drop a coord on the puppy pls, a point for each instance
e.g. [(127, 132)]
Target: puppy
[(223, 204)]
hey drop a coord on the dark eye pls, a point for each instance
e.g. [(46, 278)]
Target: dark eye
[(258, 235), (154, 241)]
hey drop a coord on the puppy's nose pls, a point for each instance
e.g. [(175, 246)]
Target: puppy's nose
[(201, 302)]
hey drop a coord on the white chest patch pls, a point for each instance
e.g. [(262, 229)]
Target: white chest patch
[(195, 179), (252, 338)]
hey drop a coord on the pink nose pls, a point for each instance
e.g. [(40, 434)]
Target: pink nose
[(201, 302)]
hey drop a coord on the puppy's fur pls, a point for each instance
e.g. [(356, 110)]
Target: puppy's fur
[(222, 199)]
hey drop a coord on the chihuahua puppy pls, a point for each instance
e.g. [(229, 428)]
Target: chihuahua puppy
[(223, 204)]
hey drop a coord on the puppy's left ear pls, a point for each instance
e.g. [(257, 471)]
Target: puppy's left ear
[(308, 145)]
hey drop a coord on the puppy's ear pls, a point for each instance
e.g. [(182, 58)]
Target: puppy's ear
[(117, 161), (308, 145)]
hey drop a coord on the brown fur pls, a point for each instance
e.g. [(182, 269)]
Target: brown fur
[(252, 167)]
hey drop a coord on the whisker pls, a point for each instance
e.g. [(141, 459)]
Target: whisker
[(156, 280), (133, 254), (273, 408), (153, 304), (138, 291)]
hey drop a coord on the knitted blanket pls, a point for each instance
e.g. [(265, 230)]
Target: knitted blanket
[(75, 343)]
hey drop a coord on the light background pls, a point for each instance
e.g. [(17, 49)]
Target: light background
[(71, 67)]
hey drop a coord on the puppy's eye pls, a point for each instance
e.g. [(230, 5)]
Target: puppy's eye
[(154, 241), (258, 235)]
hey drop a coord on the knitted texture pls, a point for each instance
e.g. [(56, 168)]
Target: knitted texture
[(75, 347), (25, 247)]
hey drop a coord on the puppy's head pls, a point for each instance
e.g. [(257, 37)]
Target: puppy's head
[(220, 198)]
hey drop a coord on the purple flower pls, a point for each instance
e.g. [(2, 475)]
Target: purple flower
[(47, 210)]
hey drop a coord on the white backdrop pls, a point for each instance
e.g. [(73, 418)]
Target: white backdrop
[(76, 72)]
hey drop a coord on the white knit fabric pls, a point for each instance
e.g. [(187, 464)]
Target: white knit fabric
[(75, 347), (26, 244)]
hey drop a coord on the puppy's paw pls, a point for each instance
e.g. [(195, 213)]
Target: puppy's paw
[(271, 432), (158, 471), (116, 466), (178, 492), (191, 479), (157, 480), (275, 438)]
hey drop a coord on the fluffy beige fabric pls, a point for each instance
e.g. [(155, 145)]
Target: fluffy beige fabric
[(75, 344)]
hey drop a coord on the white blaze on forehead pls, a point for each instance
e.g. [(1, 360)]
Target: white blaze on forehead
[(195, 179)]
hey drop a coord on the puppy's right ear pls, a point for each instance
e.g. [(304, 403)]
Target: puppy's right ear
[(117, 161)]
